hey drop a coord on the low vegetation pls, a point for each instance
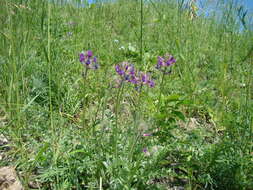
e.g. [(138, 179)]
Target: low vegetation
[(125, 95)]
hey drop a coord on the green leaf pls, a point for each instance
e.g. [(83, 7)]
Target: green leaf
[(40, 157), (172, 98), (179, 114)]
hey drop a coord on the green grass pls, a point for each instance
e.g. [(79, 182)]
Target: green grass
[(68, 132)]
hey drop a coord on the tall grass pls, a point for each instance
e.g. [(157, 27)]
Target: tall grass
[(64, 143)]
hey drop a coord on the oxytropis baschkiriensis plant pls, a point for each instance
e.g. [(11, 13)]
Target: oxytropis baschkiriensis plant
[(89, 62), (166, 104), (128, 73), (168, 107), (164, 65), (137, 142)]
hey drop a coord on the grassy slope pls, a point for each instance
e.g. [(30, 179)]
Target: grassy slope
[(42, 90)]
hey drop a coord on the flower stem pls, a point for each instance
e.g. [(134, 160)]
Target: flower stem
[(161, 91), (136, 116), (85, 73), (141, 30), (115, 131)]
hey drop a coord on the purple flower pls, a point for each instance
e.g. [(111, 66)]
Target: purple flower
[(146, 152), (146, 134), (170, 61), (151, 83), (88, 60), (127, 73), (158, 66), (81, 57), (164, 62), (127, 77), (94, 59), (133, 79), (132, 72), (119, 70), (89, 53), (160, 61), (125, 70), (96, 66), (146, 79)]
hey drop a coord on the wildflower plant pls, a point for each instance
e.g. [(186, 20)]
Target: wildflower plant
[(168, 107), (42, 106), (89, 62), (164, 63), (125, 71), (145, 79), (128, 73)]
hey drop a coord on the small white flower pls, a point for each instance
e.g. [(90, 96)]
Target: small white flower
[(131, 47), (242, 85), (122, 48)]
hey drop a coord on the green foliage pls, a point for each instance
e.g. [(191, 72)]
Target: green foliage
[(193, 130), (168, 116)]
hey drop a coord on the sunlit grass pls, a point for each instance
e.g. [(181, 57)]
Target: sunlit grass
[(192, 129)]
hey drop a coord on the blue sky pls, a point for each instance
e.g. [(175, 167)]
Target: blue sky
[(248, 4), (208, 7)]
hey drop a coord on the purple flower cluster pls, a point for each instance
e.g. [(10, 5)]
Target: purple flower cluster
[(125, 70), (164, 62), (128, 73), (88, 60), (146, 79)]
